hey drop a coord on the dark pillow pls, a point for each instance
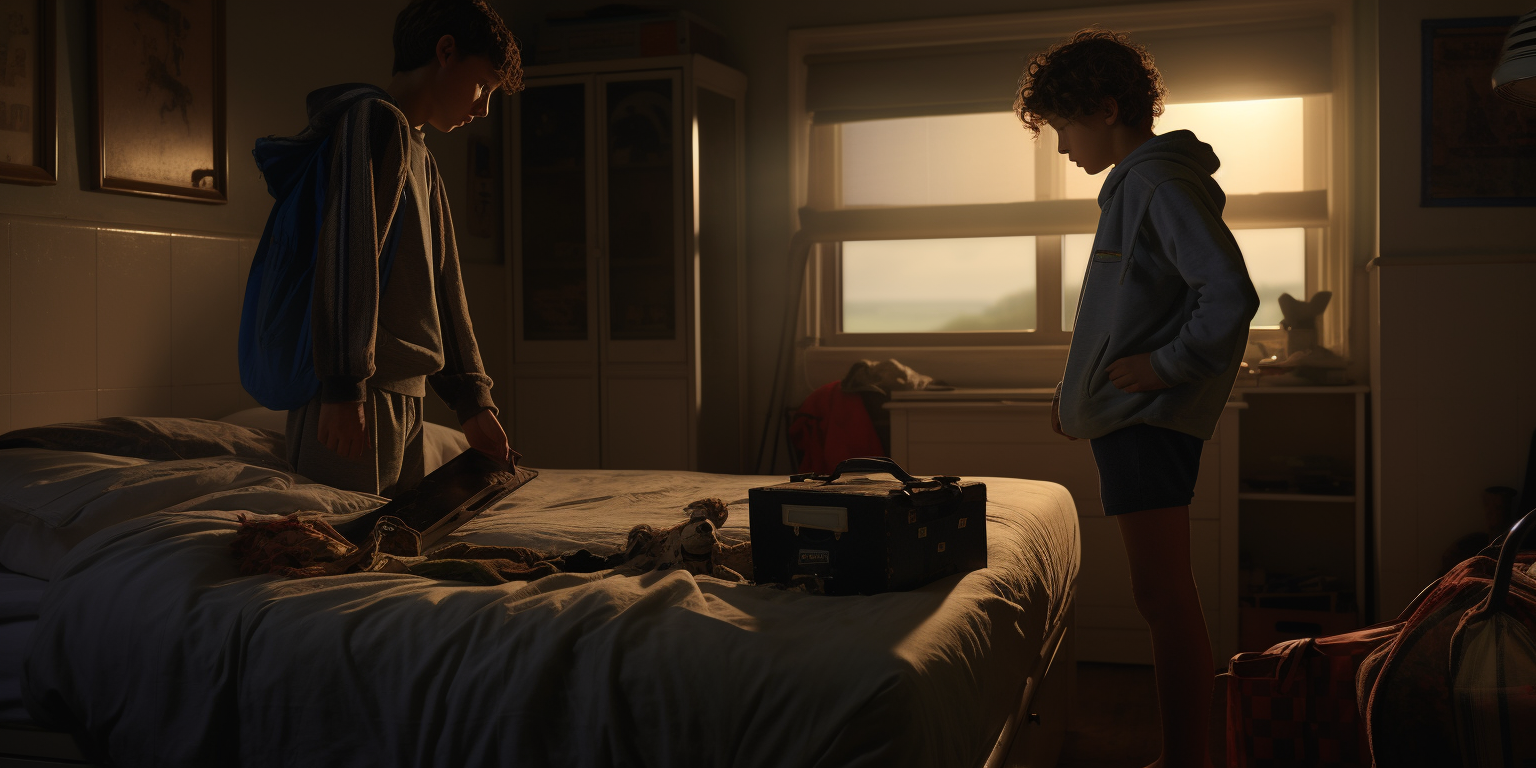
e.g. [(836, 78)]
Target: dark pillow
[(156, 439)]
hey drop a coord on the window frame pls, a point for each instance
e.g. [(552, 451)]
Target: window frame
[(1322, 209)]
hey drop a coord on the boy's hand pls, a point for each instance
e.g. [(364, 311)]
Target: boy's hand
[(344, 430), (1056, 415), (1135, 374), (486, 436)]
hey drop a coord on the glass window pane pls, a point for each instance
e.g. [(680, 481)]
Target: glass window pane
[(1258, 142), (1277, 263), (554, 212), (1075, 250), (942, 285), (1276, 259), (938, 160), (642, 245)]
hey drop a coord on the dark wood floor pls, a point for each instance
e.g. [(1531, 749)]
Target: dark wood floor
[(1114, 718)]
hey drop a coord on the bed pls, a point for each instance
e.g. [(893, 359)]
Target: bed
[(149, 648)]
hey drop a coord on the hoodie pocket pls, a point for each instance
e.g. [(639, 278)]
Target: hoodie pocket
[(1095, 363)]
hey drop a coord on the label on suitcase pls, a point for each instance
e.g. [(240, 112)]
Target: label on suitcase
[(856, 535)]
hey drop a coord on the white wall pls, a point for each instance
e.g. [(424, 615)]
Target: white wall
[(100, 321), (63, 248), (1454, 328)]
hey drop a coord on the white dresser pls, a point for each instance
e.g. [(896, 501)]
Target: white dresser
[(1003, 434)]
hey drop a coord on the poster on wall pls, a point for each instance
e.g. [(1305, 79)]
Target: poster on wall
[(1478, 149), (160, 98), (27, 138)]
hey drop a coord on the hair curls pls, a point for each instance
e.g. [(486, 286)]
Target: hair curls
[(476, 29), (1074, 76)]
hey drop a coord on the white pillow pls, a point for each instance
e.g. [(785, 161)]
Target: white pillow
[(259, 418), (439, 443), (52, 500)]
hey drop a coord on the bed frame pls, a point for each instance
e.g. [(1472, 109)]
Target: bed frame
[(1031, 737)]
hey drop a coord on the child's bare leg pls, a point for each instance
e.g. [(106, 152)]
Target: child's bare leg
[(1157, 541)]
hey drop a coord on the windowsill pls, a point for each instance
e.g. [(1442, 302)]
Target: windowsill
[(1000, 367)]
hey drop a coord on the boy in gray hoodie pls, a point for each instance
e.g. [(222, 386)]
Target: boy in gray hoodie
[(380, 340), (1161, 327)]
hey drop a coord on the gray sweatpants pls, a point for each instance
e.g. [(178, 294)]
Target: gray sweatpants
[(396, 462)]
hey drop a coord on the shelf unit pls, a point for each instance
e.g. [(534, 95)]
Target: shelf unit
[(1296, 532)]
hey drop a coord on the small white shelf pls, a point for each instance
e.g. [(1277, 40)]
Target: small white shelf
[(1296, 497)]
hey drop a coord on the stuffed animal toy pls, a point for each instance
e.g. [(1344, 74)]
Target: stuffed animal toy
[(692, 544), (1299, 319)]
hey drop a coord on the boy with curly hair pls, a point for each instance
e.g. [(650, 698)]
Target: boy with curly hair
[(389, 313), (1161, 326)]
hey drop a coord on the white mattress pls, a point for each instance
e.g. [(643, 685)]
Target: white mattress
[(19, 599), (206, 667)]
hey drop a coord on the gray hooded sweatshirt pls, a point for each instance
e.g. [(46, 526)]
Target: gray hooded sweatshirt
[(1167, 278)]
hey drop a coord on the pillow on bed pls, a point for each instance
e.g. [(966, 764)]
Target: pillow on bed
[(440, 443), (52, 500), (155, 439)]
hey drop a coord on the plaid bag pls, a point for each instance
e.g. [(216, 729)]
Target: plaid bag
[(1458, 686), (1294, 704)]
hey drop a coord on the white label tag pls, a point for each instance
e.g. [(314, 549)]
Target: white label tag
[(821, 518)]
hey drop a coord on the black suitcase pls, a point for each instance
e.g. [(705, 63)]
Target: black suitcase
[(840, 536)]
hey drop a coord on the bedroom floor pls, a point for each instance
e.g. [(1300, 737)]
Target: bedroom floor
[(1114, 720)]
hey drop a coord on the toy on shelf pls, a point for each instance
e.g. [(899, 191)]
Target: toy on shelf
[(1304, 363)]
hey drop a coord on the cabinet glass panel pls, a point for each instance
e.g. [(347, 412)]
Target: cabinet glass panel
[(641, 211), (554, 213)]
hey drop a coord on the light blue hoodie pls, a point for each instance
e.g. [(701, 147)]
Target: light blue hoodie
[(1167, 278)]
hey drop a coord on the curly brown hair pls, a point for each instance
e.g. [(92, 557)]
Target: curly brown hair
[(1074, 76), (476, 29)]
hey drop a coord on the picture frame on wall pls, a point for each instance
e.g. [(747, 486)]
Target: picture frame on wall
[(1478, 149), (160, 95), (28, 137)]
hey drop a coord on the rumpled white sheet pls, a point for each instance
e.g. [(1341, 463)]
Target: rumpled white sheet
[(153, 650)]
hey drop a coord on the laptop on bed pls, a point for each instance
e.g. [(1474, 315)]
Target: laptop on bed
[(447, 498)]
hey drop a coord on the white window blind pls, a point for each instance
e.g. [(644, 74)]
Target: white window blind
[(1271, 60)]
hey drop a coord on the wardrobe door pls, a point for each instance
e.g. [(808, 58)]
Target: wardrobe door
[(648, 388), (554, 286), (642, 214), (555, 233)]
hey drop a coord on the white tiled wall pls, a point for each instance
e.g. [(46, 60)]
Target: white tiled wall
[(97, 320)]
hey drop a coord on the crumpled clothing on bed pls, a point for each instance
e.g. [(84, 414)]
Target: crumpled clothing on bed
[(303, 545)]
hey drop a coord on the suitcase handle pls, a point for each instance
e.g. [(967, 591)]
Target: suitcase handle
[(1513, 542), (871, 465)]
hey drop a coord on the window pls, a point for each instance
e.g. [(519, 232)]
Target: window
[(939, 285), (941, 223)]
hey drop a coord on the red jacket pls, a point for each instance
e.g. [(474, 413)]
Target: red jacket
[(831, 426)]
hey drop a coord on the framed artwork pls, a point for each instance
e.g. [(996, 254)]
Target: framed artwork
[(160, 98), (1478, 149), (28, 142)]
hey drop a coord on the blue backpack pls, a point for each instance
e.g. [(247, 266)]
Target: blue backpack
[(277, 348)]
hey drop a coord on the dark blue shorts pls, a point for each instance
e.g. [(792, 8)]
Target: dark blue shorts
[(1146, 467)]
